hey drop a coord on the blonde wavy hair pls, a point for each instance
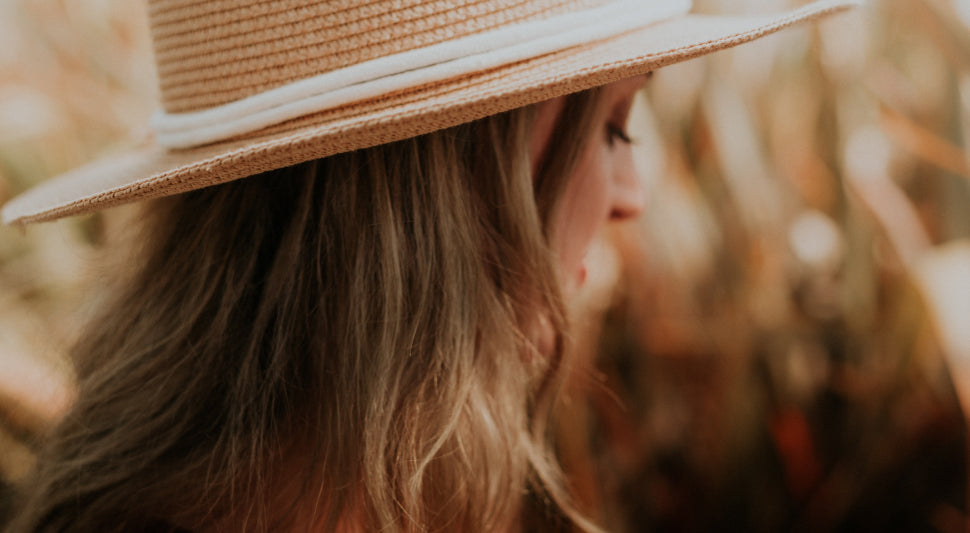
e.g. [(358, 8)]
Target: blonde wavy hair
[(346, 344)]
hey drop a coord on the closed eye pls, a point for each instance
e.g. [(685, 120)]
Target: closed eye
[(616, 133)]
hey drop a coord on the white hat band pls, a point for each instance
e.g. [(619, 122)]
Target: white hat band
[(385, 75)]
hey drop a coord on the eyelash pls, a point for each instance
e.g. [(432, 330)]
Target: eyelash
[(615, 133)]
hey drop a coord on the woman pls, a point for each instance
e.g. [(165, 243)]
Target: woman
[(366, 332)]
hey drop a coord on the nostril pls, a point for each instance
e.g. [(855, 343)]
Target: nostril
[(622, 214), (630, 205), (628, 194)]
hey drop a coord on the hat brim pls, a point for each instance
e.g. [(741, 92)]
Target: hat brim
[(152, 171)]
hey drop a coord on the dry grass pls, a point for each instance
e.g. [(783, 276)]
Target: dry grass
[(794, 304)]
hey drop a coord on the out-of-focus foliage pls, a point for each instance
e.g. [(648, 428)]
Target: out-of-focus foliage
[(76, 79), (777, 353)]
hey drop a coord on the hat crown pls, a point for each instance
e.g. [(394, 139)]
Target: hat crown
[(219, 51)]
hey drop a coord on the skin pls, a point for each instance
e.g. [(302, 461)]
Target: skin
[(606, 187)]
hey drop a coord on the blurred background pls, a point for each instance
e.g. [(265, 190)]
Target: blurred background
[(782, 343)]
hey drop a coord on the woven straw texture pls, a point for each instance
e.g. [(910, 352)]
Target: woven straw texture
[(151, 171), (209, 56)]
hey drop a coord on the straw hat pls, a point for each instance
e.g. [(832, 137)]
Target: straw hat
[(249, 86)]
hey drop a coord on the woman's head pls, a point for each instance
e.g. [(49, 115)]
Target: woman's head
[(350, 339)]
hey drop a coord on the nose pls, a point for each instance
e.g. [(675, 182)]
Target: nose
[(629, 198)]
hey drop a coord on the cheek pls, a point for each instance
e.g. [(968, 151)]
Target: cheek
[(584, 211)]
